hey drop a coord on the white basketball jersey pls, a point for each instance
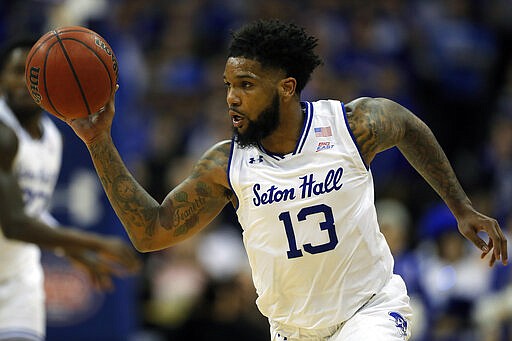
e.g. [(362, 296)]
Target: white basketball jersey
[(37, 165), (309, 223)]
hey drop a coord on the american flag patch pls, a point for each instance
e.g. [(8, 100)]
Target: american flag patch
[(323, 132)]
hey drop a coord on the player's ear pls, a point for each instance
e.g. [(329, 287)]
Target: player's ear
[(287, 87)]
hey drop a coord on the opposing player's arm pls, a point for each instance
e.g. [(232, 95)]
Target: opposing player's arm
[(186, 209), (76, 244), (379, 124), (11, 210), (14, 222)]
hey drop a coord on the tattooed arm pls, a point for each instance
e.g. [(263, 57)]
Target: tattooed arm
[(186, 209), (379, 124)]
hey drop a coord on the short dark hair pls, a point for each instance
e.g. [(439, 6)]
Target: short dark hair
[(276, 44), (18, 42)]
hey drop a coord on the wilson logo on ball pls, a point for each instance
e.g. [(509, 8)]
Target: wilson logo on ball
[(34, 82), (108, 51)]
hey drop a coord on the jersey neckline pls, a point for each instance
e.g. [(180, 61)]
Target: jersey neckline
[(307, 109)]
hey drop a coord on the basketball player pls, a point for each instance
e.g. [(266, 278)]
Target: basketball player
[(298, 173), (30, 159)]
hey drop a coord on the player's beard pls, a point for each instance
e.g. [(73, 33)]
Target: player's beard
[(263, 126)]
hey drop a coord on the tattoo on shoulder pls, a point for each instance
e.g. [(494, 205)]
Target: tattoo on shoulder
[(217, 157), (374, 126), (187, 206)]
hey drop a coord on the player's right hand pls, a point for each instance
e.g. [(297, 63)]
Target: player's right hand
[(97, 126)]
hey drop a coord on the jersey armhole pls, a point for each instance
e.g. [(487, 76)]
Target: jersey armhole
[(352, 136)]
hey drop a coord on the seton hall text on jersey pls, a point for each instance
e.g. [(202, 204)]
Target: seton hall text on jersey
[(308, 186)]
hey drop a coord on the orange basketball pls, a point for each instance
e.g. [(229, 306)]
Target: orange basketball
[(71, 72)]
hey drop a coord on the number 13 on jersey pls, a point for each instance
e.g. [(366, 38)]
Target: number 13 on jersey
[(326, 225)]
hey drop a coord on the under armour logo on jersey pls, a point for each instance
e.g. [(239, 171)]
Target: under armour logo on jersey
[(254, 160), (400, 322)]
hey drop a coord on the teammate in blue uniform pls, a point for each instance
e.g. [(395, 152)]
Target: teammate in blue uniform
[(30, 159), (298, 174)]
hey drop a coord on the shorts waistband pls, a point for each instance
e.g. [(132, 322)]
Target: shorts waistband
[(293, 333)]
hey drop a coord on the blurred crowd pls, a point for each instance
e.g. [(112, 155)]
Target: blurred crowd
[(449, 61)]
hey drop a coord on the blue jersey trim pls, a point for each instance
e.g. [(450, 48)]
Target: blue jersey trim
[(308, 119), (352, 135), (272, 155), (230, 160)]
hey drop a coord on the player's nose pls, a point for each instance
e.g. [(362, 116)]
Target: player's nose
[(232, 98)]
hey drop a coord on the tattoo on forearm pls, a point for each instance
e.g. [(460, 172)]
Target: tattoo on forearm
[(124, 196), (423, 151), (122, 189)]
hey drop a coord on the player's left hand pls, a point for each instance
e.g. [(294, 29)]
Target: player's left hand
[(472, 222)]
